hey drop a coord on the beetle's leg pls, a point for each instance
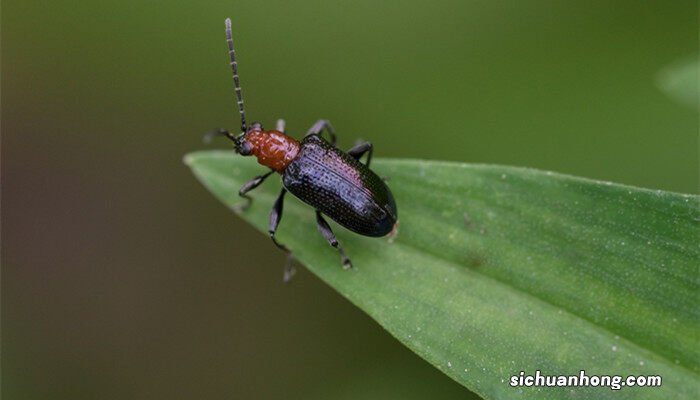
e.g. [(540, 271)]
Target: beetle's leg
[(250, 185), (275, 218), (218, 132), (327, 233), (319, 126), (361, 149), (280, 125)]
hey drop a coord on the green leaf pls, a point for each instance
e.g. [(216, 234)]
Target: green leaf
[(497, 270)]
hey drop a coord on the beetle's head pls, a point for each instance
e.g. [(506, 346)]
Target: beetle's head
[(240, 142)]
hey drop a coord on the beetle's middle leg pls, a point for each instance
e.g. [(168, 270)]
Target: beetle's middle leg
[(358, 150), (327, 233), (275, 218), (319, 126), (250, 185)]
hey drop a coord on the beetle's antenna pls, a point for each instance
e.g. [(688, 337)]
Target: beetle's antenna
[(234, 69)]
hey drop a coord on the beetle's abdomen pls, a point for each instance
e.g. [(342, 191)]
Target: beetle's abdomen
[(341, 187)]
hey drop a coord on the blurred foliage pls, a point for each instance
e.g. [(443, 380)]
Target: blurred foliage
[(680, 81)]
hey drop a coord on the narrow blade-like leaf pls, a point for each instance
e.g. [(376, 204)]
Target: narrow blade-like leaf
[(497, 270)]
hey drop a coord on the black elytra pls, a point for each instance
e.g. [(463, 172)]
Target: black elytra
[(333, 182), (339, 186)]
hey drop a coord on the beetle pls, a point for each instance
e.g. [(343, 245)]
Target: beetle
[(335, 183)]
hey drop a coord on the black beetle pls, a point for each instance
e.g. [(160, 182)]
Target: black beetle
[(333, 182)]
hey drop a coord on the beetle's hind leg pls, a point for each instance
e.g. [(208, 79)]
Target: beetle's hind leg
[(360, 149), (327, 233), (319, 126), (250, 185), (275, 218)]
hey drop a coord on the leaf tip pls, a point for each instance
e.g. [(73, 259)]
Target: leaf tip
[(189, 159)]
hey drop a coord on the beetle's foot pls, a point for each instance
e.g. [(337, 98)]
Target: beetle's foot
[(394, 231), (241, 207), (289, 270), (347, 264), (216, 132)]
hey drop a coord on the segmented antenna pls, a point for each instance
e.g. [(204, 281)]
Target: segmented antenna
[(236, 80)]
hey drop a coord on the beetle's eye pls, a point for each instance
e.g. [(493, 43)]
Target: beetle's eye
[(245, 149)]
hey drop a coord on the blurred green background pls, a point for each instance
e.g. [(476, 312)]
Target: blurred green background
[(123, 278)]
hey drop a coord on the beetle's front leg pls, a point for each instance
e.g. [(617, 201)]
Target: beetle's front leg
[(319, 126), (361, 149), (275, 218), (250, 185), (280, 125), (327, 233)]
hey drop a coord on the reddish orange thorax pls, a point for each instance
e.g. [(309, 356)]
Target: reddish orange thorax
[(273, 149)]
